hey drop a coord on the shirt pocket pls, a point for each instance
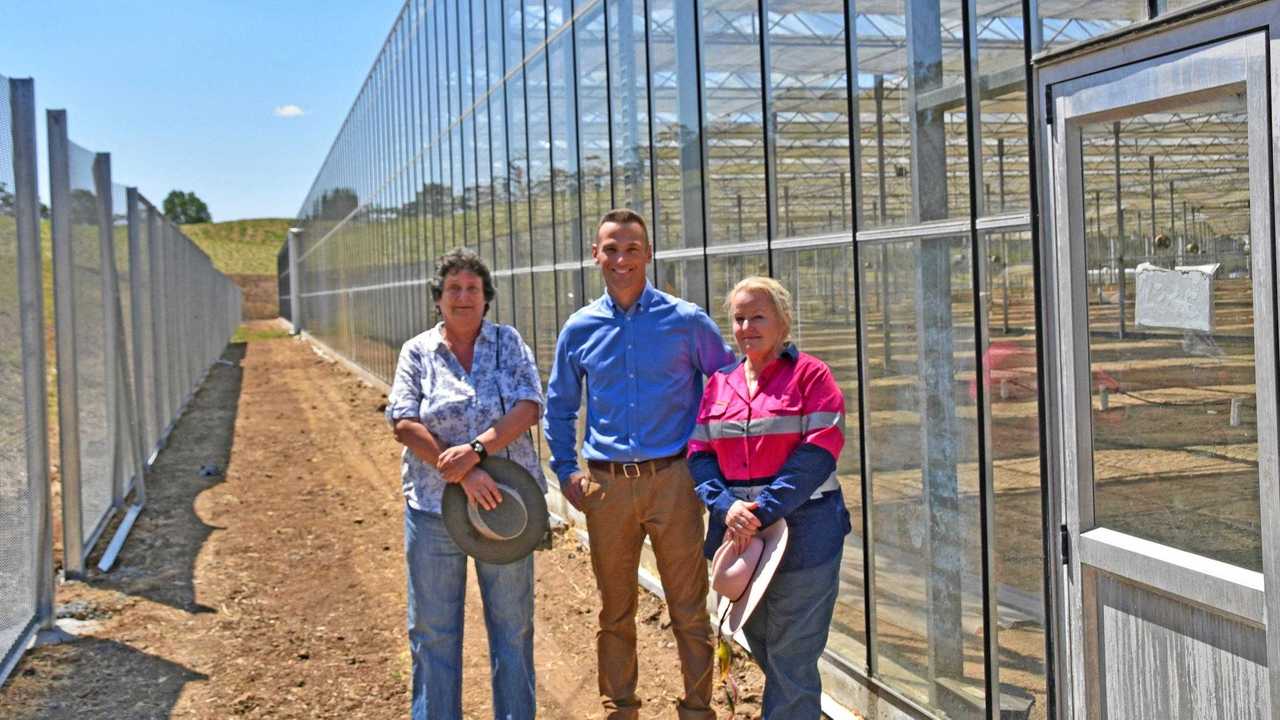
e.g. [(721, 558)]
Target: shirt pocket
[(788, 402), (715, 420)]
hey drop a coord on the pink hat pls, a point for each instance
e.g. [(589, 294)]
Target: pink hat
[(741, 579)]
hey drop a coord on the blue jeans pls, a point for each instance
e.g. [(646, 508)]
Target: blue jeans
[(787, 633), (437, 597)]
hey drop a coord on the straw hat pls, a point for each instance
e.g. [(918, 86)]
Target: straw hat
[(741, 579), (510, 531)]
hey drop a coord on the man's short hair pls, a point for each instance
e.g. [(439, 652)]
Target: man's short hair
[(623, 216)]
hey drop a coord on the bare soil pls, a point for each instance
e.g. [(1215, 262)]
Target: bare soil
[(275, 587)]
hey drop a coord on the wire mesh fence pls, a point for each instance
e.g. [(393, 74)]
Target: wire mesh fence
[(282, 283), (128, 285), (140, 314), (25, 535)]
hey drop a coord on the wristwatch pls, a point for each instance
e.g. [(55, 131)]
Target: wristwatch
[(478, 447)]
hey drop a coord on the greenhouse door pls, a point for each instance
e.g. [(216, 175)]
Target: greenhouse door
[(1160, 300)]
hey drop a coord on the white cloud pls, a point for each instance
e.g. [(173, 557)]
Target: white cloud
[(289, 111)]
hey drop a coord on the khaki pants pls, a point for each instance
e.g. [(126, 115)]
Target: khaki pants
[(620, 512)]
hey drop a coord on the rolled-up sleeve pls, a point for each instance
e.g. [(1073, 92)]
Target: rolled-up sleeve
[(528, 386), (405, 399)]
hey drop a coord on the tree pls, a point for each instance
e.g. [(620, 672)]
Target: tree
[(184, 208)]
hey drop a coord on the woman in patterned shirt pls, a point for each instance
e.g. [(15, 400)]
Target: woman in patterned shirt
[(464, 389)]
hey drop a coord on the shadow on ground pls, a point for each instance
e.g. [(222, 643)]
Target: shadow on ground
[(158, 561), (53, 679)]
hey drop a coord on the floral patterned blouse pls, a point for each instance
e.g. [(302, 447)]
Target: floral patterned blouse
[(456, 406)]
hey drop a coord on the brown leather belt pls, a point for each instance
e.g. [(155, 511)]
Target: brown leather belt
[(634, 469)]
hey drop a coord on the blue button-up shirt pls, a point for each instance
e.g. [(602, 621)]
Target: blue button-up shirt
[(643, 370), (456, 406)]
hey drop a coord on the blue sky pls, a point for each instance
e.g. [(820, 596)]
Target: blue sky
[(184, 93)]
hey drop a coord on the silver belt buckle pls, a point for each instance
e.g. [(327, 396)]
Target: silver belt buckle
[(631, 470)]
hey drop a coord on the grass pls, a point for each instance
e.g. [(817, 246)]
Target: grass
[(245, 334), (241, 247)]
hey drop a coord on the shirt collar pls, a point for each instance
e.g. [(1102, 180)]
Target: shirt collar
[(642, 303), (435, 336), (789, 351)]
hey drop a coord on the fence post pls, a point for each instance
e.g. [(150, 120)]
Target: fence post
[(111, 331), (22, 106), (295, 284), (155, 279), (139, 289), (65, 325)]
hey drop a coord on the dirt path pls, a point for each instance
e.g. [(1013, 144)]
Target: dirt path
[(275, 589)]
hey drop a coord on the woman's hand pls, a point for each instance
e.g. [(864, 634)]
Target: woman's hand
[(740, 540), (481, 489), (740, 520), (455, 462)]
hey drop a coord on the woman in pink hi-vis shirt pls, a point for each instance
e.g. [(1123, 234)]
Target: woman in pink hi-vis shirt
[(769, 430)]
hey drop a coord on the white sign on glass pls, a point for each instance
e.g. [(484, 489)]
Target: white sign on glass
[(1178, 299)]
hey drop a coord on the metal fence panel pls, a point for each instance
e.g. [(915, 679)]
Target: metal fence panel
[(26, 568), (139, 318), (282, 282), (90, 327), (141, 315)]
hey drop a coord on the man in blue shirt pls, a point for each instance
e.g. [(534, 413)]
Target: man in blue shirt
[(642, 355)]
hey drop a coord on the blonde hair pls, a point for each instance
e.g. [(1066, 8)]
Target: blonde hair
[(778, 295)]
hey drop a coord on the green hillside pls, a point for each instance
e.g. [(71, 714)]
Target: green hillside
[(241, 247)]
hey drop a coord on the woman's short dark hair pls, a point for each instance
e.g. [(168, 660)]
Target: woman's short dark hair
[(462, 260)]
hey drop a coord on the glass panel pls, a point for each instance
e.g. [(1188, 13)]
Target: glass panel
[(564, 149), (733, 120), (539, 160), (1010, 387), (821, 285), (724, 272), (499, 167), (629, 86), (568, 297), (1002, 80), (685, 279), (546, 320), (676, 144), (1066, 22), (484, 164), (523, 300), (923, 457), (914, 145), (594, 282), (517, 138), (1175, 436), (810, 99), (593, 124), (460, 133)]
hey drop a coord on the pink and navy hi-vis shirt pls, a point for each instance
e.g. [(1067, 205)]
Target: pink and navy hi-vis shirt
[(778, 448)]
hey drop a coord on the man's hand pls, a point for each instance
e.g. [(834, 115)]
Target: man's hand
[(575, 488), (481, 489), (740, 520), (455, 462)]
